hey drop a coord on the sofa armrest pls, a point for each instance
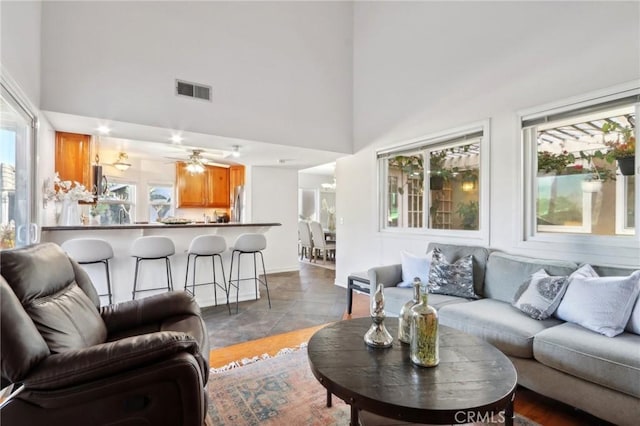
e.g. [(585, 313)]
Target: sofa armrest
[(107, 359), (148, 310), (389, 276)]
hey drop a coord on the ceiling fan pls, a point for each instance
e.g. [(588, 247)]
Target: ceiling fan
[(195, 164)]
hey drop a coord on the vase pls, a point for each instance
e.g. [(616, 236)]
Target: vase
[(627, 165), (69, 213), (331, 222), (424, 333), (591, 186), (377, 336), (436, 183), (404, 319)]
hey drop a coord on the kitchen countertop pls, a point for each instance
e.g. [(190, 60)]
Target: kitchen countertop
[(157, 225)]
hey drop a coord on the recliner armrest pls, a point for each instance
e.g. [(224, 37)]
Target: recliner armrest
[(148, 310), (104, 360), (389, 276)]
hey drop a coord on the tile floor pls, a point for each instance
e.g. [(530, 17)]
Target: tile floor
[(299, 299)]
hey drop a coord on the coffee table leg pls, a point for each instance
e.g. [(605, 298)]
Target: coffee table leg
[(354, 417), (509, 412), (328, 398), (349, 297)]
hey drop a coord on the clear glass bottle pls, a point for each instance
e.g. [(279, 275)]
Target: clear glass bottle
[(424, 332), (404, 319)]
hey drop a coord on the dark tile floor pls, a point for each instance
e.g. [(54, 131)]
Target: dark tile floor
[(299, 299)]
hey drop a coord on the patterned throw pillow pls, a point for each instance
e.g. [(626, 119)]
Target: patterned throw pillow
[(453, 279), (540, 295)]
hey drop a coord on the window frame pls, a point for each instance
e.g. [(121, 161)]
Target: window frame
[(149, 203), (440, 140), (528, 237)]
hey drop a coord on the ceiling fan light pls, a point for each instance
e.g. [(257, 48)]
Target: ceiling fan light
[(195, 167), (121, 164)]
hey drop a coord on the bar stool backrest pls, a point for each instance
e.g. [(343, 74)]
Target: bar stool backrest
[(250, 243), (152, 247), (207, 245), (88, 250)]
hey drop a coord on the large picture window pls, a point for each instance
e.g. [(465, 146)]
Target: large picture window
[(434, 183), (582, 174)]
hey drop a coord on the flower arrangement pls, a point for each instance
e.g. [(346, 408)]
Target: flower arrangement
[(66, 190), (619, 148)]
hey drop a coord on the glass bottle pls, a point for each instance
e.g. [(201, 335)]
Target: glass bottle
[(404, 319), (424, 332)]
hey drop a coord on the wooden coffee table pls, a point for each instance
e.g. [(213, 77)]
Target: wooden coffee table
[(474, 381)]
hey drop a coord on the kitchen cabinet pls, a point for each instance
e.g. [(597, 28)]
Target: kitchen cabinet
[(236, 177), (73, 157), (208, 189)]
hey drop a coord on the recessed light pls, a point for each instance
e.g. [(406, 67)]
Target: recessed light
[(176, 138), (103, 130)]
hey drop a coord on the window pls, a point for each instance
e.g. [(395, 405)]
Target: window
[(117, 206), (582, 168), (160, 202), (17, 148), (434, 184)]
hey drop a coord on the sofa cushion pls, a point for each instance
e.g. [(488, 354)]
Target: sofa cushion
[(395, 297), (506, 272), (453, 279), (454, 252), (498, 323), (540, 295), (601, 304), (611, 362)]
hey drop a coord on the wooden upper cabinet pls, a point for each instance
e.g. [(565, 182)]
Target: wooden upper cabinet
[(218, 180), (208, 189), (236, 177), (73, 157), (192, 189)]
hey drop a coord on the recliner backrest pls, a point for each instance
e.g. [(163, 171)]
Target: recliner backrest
[(21, 345), (56, 294)]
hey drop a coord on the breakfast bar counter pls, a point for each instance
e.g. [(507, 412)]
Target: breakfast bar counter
[(122, 265)]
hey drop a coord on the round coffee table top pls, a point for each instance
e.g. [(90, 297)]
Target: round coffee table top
[(472, 376)]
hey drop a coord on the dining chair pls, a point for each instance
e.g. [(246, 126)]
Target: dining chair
[(320, 244), (306, 243)]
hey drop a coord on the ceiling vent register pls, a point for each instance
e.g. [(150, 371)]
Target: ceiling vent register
[(193, 90)]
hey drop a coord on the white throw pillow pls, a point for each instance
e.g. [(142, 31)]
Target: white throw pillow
[(540, 295), (601, 304), (414, 266)]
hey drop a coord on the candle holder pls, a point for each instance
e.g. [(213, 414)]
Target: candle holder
[(377, 336)]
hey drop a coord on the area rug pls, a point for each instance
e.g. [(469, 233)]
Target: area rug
[(278, 390)]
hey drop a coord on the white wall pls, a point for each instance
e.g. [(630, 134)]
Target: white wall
[(424, 67), (280, 71), (20, 45), (274, 198)]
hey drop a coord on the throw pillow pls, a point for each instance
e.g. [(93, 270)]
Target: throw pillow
[(453, 279), (540, 295), (633, 326), (414, 266), (600, 304)]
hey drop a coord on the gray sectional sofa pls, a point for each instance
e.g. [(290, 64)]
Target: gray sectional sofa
[(597, 374)]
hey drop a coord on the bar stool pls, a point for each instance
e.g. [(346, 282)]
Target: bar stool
[(207, 246), (152, 248), (88, 251), (248, 244)]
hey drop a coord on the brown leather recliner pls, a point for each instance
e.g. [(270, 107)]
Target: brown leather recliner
[(143, 362)]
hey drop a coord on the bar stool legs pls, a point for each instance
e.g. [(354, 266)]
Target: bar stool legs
[(215, 282), (248, 244), (152, 248)]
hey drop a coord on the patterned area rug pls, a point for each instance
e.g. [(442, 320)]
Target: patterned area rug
[(279, 391)]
